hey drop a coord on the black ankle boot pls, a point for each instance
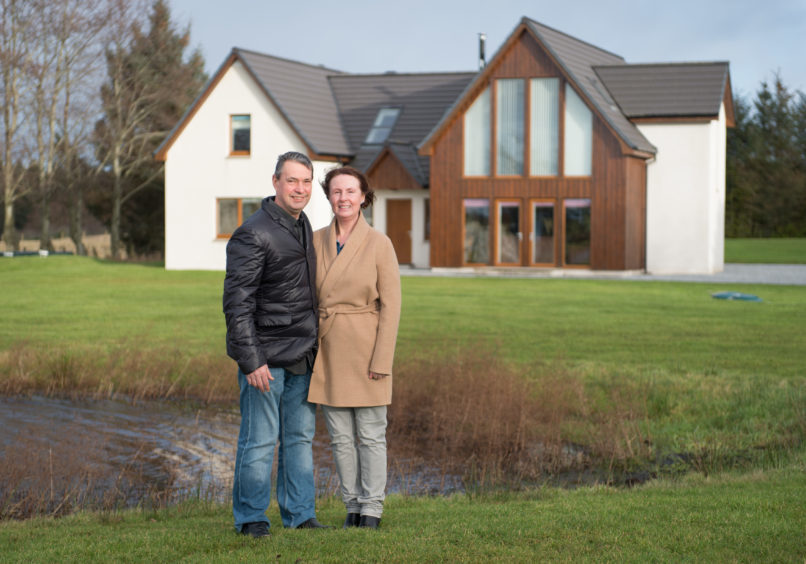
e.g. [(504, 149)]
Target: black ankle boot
[(353, 519), (369, 522)]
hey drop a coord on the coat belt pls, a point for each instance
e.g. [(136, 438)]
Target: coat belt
[(328, 314)]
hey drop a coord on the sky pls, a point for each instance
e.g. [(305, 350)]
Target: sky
[(757, 37)]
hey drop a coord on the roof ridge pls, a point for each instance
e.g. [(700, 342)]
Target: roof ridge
[(403, 74), (591, 45), (287, 60), (664, 64)]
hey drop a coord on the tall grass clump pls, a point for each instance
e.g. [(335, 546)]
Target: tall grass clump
[(475, 414), (128, 369)]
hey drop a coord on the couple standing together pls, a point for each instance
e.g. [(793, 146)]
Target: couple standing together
[(282, 282)]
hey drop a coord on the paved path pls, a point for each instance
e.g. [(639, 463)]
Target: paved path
[(787, 274)]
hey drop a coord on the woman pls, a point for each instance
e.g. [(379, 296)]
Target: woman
[(358, 284)]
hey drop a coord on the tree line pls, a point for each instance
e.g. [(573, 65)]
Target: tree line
[(90, 88), (766, 164)]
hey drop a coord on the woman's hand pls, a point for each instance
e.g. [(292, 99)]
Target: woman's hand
[(376, 376)]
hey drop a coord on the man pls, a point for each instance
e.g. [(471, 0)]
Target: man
[(271, 312)]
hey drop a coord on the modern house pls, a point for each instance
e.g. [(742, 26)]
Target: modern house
[(557, 154)]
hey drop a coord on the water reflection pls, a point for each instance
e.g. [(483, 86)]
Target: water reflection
[(148, 448)]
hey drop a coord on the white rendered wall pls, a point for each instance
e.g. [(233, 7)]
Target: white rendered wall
[(420, 249), (686, 197), (199, 170)]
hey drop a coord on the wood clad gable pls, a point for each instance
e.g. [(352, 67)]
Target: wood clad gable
[(556, 55), (387, 172)]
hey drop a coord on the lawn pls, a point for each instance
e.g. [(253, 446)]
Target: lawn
[(766, 251), (659, 367)]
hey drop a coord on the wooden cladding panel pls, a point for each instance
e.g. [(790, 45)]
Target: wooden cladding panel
[(617, 186), (390, 174)]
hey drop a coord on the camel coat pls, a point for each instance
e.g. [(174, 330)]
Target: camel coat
[(359, 311)]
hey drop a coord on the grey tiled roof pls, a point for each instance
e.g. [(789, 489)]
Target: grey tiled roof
[(578, 59), (423, 98), (304, 96), (667, 90)]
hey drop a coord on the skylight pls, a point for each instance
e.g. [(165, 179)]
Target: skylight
[(384, 122)]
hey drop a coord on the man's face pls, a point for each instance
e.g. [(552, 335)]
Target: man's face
[(293, 187)]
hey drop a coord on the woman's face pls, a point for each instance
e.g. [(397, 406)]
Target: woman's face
[(345, 197)]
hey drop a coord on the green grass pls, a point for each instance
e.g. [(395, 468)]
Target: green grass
[(728, 518), (766, 251), (723, 382)]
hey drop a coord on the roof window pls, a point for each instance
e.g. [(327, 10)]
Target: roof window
[(384, 122)]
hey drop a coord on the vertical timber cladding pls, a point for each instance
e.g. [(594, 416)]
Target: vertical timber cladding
[(616, 187)]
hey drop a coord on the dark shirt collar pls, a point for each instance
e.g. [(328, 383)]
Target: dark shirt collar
[(295, 226)]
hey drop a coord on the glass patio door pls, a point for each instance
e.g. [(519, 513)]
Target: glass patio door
[(508, 233), (541, 237)]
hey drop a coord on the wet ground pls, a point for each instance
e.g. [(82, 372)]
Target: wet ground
[(151, 448)]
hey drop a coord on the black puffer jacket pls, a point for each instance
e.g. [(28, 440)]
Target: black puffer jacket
[(270, 292)]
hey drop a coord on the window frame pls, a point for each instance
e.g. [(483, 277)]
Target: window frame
[(495, 110), (239, 208), (499, 203), (232, 151), (565, 263), (464, 231), (532, 234), (377, 128)]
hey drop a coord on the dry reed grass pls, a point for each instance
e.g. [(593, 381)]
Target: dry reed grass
[(139, 373), (479, 416)]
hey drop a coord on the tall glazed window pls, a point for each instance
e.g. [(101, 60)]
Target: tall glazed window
[(508, 232), (542, 236), (510, 126), (577, 231), (477, 136), (544, 129), (578, 156), (476, 231)]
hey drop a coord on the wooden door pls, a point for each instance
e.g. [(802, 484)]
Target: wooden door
[(398, 228)]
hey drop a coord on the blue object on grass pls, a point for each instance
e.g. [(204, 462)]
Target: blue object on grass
[(736, 296)]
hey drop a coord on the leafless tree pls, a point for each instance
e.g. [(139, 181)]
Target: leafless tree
[(66, 54), (17, 18)]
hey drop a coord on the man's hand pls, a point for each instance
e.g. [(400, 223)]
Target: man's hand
[(260, 378)]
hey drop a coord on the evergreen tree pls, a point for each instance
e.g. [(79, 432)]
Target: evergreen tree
[(766, 165)]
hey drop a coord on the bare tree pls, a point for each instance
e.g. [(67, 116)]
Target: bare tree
[(16, 21), (66, 56), (148, 87)]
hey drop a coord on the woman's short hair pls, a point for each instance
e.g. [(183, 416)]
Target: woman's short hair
[(369, 194)]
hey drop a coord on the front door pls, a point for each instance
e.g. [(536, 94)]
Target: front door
[(398, 228)]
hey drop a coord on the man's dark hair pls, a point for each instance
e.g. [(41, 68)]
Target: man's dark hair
[(292, 156)]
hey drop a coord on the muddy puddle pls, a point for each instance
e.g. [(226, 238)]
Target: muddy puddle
[(91, 452)]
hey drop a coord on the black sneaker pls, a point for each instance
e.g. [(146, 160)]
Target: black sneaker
[(257, 530)]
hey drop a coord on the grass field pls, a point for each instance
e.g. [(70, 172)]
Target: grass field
[(729, 518), (641, 370), (766, 251)]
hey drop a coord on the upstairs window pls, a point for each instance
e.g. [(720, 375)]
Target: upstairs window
[(240, 134), (382, 128), (578, 146), (544, 128), (477, 136), (510, 134)]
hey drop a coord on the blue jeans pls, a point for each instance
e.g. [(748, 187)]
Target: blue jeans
[(284, 415)]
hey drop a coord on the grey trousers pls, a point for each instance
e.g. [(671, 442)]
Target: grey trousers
[(361, 464)]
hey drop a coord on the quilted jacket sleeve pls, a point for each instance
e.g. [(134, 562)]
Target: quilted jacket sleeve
[(245, 262)]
